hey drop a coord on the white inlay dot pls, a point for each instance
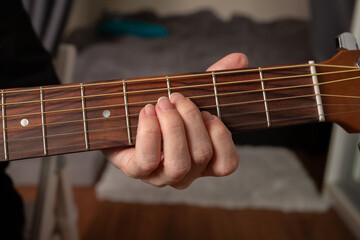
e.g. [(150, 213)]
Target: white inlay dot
[(106, 113), (24, 122)]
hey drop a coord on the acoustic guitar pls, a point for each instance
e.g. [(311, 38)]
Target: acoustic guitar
[(49, 120)]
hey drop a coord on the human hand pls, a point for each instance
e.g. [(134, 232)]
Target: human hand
[(195, 143)]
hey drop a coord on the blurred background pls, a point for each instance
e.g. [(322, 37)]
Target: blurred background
[(289, 180)]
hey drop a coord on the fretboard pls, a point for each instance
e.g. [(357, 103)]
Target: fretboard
[(61, 119)]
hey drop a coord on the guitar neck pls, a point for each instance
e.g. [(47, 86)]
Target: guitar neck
[(79, 117)]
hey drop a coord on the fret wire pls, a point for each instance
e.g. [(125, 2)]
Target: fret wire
[(216, 96), (134, 138), (209, 106), (276, 120), (127, 111), (187, 76), (317, 92), (228, 83), (69, 133), (168, 85), (224, 72), (114, 128), (160, 78), (273, 110), (67, 146), (271, 89), (193, 97), (43, 121), (84, 116), (260, 101), (6, 154), (309, 116), (202, 107), (234, 125), (199, 85), (265, 99)]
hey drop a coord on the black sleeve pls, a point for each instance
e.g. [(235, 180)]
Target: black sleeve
[(23, 60), (23, 63)]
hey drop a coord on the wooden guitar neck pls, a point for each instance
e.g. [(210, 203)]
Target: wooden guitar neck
[(51, 120)]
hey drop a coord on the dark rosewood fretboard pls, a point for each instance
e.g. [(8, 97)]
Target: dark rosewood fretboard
[(79, 117)]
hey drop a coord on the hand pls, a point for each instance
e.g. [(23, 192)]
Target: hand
[(195, 143)]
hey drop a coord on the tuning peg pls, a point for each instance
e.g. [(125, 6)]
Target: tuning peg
[(346, 41)]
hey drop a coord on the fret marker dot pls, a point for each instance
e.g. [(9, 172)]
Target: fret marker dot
[(24, 122), (106, 113)]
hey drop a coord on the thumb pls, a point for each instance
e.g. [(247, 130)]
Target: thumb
[(231, 61)]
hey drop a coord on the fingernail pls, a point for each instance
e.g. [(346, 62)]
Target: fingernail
[(165, 104), (207, 117), (150, 110), (176, 97)]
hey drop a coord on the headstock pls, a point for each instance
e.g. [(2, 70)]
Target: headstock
[(339, 82)]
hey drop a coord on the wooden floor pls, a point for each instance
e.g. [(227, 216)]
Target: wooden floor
[(107, 220)]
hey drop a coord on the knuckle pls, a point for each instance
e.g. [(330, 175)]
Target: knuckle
[(139, 169), (190, 111), (185, 183), (203, 153), (227, 167), (148, 131), (145, 162), (148, 164), (222, 133), (177, 173), (121, 159), (176, 127), (224, 170), (130, 173), (172, 126)]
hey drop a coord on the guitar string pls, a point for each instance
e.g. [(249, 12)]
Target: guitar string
[(134, 138), (227, 115), (224, 72), (65, 146), (331, 113), (153, 101), (179, 88), (210, 106), (68, 133), (193, 97), (202, 107), (294, 118), (136, 115)]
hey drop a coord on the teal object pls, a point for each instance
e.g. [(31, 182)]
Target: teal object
[(113, 27)]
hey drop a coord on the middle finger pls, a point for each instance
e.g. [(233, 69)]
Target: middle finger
[(198, 139), (177, 160)]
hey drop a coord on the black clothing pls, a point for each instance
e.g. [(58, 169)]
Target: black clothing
[(23, 63)]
